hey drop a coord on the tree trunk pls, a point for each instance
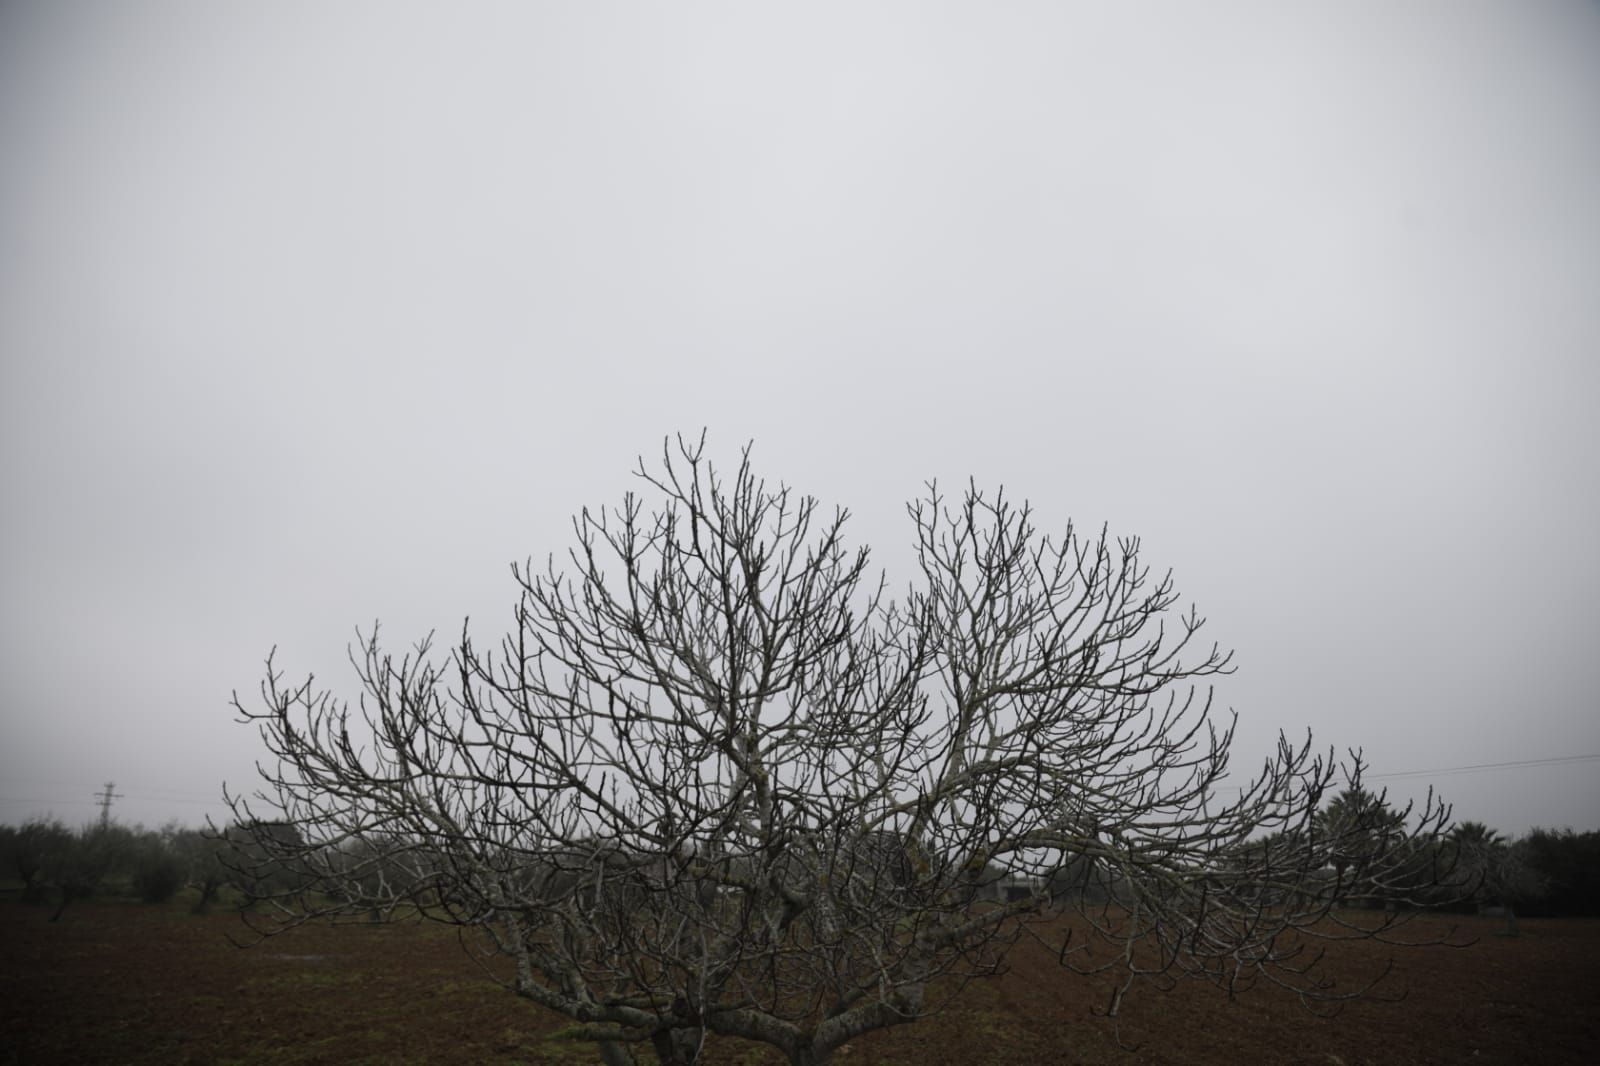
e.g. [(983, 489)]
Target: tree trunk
[(67, 896), (208, 893)]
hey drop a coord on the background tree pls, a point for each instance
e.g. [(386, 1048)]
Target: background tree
[(252, 853), (1368, 846), (199, 857), (1567, 865), (1493, 870), (156, 868), (90, 856), (33, 850), (716, 779)]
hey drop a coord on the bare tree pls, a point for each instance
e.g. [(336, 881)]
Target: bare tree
[(716, 779)]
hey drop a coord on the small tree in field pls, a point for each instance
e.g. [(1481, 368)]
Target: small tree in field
[(33, 850), (157, 868), (80, 869), (199, 856), (716, 780)]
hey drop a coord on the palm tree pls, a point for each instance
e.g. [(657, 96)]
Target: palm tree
[(1476, 836), (1494, 868), (1362, 830)]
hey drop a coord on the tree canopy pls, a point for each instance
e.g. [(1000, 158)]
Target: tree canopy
[(718, 779)]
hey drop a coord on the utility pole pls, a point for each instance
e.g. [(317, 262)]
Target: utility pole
[(105, 799)]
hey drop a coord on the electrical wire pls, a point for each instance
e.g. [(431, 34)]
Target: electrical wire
[(1553, 760)]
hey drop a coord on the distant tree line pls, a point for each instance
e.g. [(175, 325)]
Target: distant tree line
[(1375, 864), (43, 861), (1546, 873)]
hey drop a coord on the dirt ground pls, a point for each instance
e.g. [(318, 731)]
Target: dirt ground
[(124, 983)]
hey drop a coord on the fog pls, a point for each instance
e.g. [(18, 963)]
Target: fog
[(314, 314)]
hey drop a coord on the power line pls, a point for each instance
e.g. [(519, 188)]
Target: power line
[(36, 799), (139, 791), (105, 803), (1469, 768), (1553, 760), (157, 800)]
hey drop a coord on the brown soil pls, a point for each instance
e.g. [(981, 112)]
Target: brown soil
[(122, 983)]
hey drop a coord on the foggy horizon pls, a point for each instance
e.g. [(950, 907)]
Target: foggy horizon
[(313, 316)]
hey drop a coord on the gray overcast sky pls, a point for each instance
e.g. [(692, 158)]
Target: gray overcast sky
[(312, 314)]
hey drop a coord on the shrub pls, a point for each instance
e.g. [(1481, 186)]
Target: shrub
[(157, 872)]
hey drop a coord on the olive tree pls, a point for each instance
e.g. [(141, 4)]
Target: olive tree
[(717, 779), (31, 851), (199, 855)]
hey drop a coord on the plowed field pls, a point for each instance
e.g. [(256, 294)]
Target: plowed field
[(123, 983)]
